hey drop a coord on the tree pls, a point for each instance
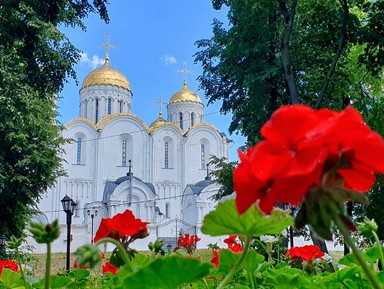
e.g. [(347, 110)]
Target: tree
[(271, 53), (35, 59), (283, 52), (223, 175)]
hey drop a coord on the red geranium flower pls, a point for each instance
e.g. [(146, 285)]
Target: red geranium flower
[(188, 242), (305, 253), (233, 244), (301, 145), (108, 267), (120, 226), (215, 259), (8, 264)]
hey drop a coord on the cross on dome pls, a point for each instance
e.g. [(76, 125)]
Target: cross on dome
[(160, 103), (107, 46), (185, 72)]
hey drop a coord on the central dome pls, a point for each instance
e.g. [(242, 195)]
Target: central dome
[(106, 75), (185, 95)]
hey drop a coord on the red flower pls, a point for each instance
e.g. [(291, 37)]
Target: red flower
[(188, 242), (120, 226), (108, 267), (305, 253), (233, 244), (76, 265), (301, 145), (215, 259), (8, 264)]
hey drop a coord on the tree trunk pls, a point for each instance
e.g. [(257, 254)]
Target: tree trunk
[(285, 56)]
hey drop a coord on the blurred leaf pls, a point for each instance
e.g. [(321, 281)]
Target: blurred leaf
[(167, 273), (225, 220)]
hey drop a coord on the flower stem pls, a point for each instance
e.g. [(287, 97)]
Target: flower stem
[(120, 247), (379, 247), (48, 267), (237, 265), (363, 263), (21, 266)]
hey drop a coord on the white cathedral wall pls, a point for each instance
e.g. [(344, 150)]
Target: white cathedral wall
[(109, 160), (213, 145)]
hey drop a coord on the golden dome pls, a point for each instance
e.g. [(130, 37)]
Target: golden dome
[(160, 121), (106, 75), (185, 95)]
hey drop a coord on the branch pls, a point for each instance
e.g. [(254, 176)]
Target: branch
[(341, 46), (285, 56)]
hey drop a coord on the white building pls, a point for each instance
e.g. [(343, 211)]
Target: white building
[(116, 162)]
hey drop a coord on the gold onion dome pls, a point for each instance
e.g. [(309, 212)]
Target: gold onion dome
[(106, 75), (185, 95), (160, 121)]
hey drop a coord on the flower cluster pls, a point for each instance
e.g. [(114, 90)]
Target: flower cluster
[(305, 253), (8, 264), (233, 243), (122, 226), (305, 148), (188, 242)]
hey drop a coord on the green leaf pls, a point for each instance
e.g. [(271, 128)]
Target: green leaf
[(79, 274), (287, 278), (225, 220), (252, 261), (11, 279), (59, 281), (167, 273)]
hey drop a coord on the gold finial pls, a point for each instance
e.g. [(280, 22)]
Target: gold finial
[(185, 72), (160, 104), (107, 46)]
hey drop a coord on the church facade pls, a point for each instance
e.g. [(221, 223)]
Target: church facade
[(114, 161)]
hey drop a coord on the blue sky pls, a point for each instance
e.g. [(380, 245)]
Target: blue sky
[(152, 39)]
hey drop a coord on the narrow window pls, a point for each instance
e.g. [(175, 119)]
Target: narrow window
[(192, 119), (109, 105), (202, 156), (97, 110), (170, 118), (124, 154), (78, 160), (121, 106), (181, 120), (167, 210), (166, 163)]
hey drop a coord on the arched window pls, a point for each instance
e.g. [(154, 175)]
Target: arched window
[(166, 159), (170, 118), (202, 156), (97, 110), (124, 154), (167, 210), (78, 157), (192, 119), (181, 120), (109, 105)]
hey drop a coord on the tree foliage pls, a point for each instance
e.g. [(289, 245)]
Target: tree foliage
[(35, 59), (223, 175), (271, 53)]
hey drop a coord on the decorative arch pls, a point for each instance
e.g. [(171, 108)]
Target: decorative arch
[(134, 195)]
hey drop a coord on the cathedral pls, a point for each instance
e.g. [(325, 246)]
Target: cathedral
[(114, 161)]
